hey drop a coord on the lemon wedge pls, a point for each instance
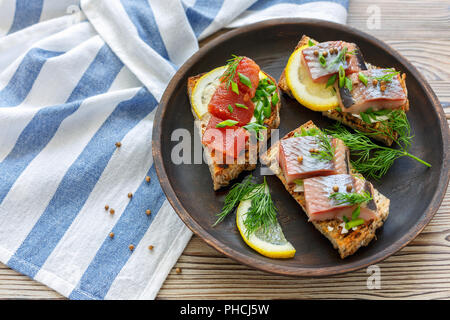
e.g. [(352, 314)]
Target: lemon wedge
[(310, 94), (270, 242), (205, 88)]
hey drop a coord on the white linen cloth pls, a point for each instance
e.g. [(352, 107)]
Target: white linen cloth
[(75, 78)]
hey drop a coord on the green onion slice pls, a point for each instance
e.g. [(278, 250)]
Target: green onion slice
[(245, 80), (234, 87), (230, 108), (240, 105), (331, 80), (363, 78)]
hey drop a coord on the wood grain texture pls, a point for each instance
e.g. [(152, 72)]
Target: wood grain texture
[(420, 30)]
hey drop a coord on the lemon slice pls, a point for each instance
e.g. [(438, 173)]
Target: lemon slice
[(270, 242), (205, 88), (310, 94)]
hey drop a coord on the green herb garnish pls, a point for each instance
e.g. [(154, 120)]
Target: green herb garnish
[(245, 80), (348, 84), (263, 106), (275, 98), (372, 159), (311, 43), (255, 127), (388, 76), (230, 73), (369, 115), (327, 150), (341, 76), (262, 211), (363, 78), (322, 61), (331, 80), (227, 123), (236, 194), (240, 105), (230, 108)]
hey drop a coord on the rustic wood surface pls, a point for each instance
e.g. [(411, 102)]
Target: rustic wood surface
[(420, 30)]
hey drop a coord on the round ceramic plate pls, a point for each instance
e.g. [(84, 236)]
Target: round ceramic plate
[(415, 190)]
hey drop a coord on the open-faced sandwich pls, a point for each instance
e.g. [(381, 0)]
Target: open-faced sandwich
[(332, 77), (228, 103), (314, 168)]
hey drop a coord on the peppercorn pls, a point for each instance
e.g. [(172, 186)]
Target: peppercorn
[(335, 188), (300, 159), (131, 247), (325, 54), (111, 235), (106, 207), (111, 211), (147, 178), (178, 270), (349, 187), (148, 212), (316, 53), (118, 144), (130, 195), (374, 82), (150, 247), (383, 87)]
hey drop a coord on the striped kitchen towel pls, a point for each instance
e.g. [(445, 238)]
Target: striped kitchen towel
[(75, 78)]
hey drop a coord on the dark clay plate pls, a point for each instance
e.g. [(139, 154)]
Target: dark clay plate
[(415, 190)]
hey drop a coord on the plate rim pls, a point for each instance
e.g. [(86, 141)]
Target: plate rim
[(273, 267)]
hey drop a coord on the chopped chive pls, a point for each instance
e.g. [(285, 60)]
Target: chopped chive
[(322, 61), (356, 212), (363, 78), (331, 80), (240, 105), (234, 87), (311, 43), (245, 80), (227, 123), (230, 108), (270, 88), (275, 98)]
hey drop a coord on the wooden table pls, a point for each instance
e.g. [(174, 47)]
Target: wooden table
[(420, 30)]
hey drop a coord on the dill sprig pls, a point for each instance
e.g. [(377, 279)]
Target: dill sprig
[(351, 198), (230, 73), (327, 150), (262, 212), (374, 160), (237, 193)]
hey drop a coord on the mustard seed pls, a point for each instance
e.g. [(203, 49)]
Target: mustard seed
[(111, 211), (178, 270), (147, 178), (118, 144), (300, 159), (325, 54), (131, 247), (111, 235), (335, 188), (316, 53), (106, 207), (150, 247), (130, 195), (148, 212), (349, 187), (374, 82)]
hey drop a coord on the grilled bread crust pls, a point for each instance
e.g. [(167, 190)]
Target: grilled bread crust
[(346, 118), (347, 243), (222, 174)]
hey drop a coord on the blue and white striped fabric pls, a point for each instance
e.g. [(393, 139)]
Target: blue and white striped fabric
[(74, 79)]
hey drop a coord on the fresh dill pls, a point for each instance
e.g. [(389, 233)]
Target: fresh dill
[(372, 159), (230, 72), (327, 150), (262, 211), (388, 76)]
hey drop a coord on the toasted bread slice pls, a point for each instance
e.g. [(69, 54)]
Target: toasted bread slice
[(346, 243), (222, 174), (344, 117)]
